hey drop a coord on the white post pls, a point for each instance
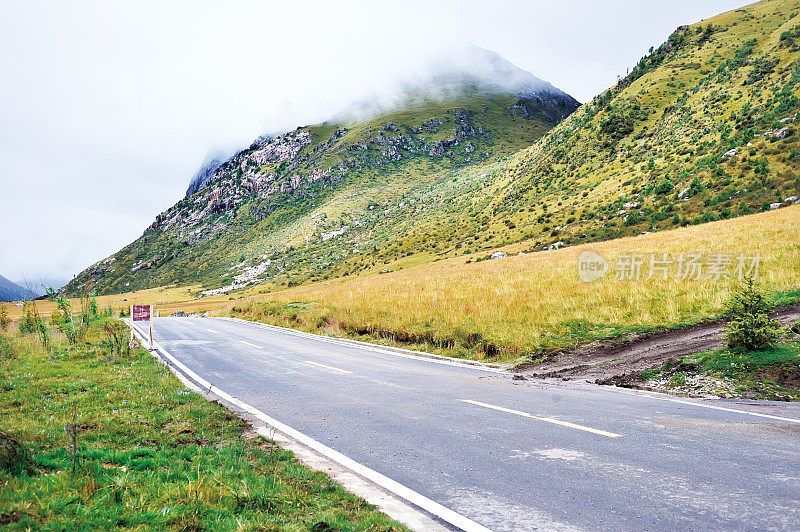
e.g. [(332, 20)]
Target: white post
[(132, 324)]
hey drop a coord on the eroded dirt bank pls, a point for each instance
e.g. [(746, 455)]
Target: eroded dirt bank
[(614, 362)]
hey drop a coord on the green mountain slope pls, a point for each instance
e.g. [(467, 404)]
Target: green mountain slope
[(292, 207), (702, 128)]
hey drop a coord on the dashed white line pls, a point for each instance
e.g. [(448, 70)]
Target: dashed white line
[(545, 419), (327, 366), (442, 512), (249, 344), (372, 348)]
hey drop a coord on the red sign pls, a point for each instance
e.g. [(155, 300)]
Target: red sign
[(141, 312)]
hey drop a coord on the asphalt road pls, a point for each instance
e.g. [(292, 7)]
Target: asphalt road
[(512, 455)]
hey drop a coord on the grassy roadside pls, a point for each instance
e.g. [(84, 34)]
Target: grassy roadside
[(514, 309), (771, 374), (524, 306), (149, 454)]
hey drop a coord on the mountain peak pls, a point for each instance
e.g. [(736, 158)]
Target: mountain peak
[(470, 64)]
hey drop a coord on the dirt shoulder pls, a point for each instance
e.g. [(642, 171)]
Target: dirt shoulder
[(605, 362)]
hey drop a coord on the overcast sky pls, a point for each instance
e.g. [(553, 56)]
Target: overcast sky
[(108, 108)]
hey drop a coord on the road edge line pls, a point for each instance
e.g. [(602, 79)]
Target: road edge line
[(385, 349), (660, 396), (399, 490)]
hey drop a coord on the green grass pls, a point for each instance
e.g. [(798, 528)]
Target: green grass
[(769, 374), (662, 130), (150, 454), (737, 363)]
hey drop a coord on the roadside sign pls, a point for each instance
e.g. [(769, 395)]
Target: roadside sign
[(143, 313)]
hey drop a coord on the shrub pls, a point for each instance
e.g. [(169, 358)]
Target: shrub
[(14, 456), (6, 348), (116, 338), (750, 326), (665, 187), (4, 321), (28, 322)]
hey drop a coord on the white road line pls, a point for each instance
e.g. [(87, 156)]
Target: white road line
[(656, 395), (249, 344), (212, 331), (327, 367), (373, 348), (442, 512), (545, 419)]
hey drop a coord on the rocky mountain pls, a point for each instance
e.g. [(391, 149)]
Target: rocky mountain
[(244, 218), (10, 291), (702, 128), (206, 172)]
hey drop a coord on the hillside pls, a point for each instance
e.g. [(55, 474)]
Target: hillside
[(300, 202), (10, 291), (529, 305), (701, 129)]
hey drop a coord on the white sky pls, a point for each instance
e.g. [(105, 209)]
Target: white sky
[(108, 108)]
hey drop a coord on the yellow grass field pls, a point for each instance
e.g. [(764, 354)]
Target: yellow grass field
[(527, 303), (521, 305)]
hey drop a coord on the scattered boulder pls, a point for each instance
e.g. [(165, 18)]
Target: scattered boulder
[(790, 199), (178, 314), (730, 153), (774, 206), (499, 255), (556, 245), (782, 133)]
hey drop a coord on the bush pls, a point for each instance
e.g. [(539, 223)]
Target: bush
[(4, 321), (750, 326), (6, 348), (665, 187), (14, 456)]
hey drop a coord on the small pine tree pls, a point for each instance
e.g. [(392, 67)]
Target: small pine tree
[(750, 326), (4, 321)]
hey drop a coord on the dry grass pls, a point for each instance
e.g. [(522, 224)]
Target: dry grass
[(517, 306), (535, 301), (167, 299)]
